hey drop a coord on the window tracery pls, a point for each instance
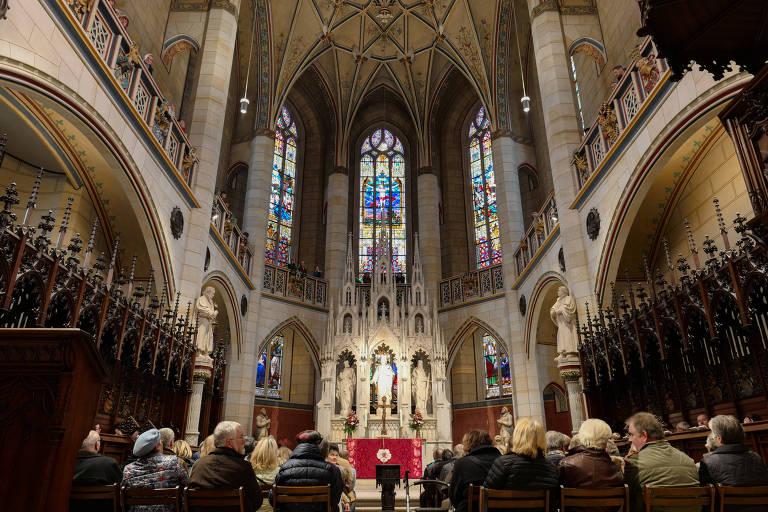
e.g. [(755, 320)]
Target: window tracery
[(282, 192), (498, 374), (484, 210), (269, 370)]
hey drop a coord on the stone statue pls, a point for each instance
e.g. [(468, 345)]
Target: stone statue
[(262, 423), (420, 383), (206, 317), (506, 424), (383, 378), (345, 388), (563, 314)]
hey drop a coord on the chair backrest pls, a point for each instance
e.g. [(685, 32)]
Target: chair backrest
[(491, 499), (104, 493), (703, 496), (282, 494), (265, 490), (473, 498), (144, 496), (214, 499), (589, 498), (741, 496)]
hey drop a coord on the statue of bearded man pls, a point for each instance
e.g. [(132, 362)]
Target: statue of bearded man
[(206, 317), (563, 314)]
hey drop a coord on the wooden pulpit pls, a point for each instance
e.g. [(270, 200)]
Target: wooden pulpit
[(387, 477), (50, 380)]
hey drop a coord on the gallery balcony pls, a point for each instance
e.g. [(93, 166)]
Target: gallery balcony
[(473, 286), (231, 237), (293, 286), (544, 228)]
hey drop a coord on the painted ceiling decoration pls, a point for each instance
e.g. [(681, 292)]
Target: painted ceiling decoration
[(406, 46)]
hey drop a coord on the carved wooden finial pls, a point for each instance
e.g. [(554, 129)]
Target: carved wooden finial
[(721, 224), (65, 222), (32, 201), (113, 260), (9, 200), (691, 243)]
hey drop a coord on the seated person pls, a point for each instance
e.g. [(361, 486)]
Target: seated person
[(591, 468), (557, 446), (92, 468), (731, 463), (472, 468)]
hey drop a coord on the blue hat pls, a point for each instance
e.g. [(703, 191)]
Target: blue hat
[(146, 443)]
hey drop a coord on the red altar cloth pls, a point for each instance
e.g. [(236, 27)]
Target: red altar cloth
[(364, 454)]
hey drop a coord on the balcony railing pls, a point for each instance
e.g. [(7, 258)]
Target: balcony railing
[(472, 286), (402, 292), (641, 80), (109, 40), (294, 285), (544, 223), (234, 238)]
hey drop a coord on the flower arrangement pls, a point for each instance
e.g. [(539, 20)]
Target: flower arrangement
[(350, 424), (417, 422)]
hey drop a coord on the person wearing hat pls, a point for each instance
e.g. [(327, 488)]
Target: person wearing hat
[(307, 466), (152, 469)]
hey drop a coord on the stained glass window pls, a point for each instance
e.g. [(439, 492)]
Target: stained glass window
[(269, 369), (382, 199), (498, 375), (485, 217), (281, 195)]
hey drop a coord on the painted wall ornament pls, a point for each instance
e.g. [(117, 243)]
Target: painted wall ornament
[(207, 259), (523, 305), (243, 305), (177, 222), (593, 224), (561, 259)]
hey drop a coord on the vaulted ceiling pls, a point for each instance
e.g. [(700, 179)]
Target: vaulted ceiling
[(407, 46)]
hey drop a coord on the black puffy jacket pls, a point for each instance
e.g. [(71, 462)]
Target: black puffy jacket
[(305, 467), (733, 465), (513, 471), (470, 469)]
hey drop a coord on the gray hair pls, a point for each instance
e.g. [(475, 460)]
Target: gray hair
[(575, 442), (594, 433), (556, 440), (728, 429), (90, 441), (710, 444), (223, 431), (166, 437)]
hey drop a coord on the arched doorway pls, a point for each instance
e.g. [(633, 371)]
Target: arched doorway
[(556, 413)]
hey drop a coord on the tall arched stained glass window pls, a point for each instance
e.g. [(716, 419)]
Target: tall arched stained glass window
[(382, 199), (281, 196), (484, 212), (498, 375), (269, 369)]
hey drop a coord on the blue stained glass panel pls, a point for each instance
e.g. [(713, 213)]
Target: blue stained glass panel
[(483, 183), (282, 193)]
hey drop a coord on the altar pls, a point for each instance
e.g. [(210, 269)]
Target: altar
[(364, 454)]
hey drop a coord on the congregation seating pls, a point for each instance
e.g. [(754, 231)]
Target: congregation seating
[(282, 495), (473, 498), (104, 497), (496, 499), (589, 499), (198, 500), (703, 497), (143, 496), (741, 496)]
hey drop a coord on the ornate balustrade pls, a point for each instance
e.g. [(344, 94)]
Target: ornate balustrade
[(234, 238), (292, 285), (147, 344), (641, 80), (690, 339), (472, 286), (101, 29), (545, 223)]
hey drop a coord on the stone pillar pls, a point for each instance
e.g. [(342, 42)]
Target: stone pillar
[(570, 370), (241, 373), (336, 227), (508, 155), (428, 189), (562, 129), (202, 374), (205, 134)]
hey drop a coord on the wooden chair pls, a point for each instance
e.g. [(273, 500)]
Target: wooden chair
[(282, 494), (214, 499), (87, 495), (737, 496), (679, 497), (144, 496), (591, 498), (473, 498), (265, 490), (492, 499)]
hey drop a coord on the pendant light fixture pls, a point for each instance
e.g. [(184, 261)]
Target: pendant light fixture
[(244, 101), (525, 100)]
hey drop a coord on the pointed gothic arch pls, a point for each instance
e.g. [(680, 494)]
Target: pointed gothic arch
[(470, 325), (544, 287), (295, 323)]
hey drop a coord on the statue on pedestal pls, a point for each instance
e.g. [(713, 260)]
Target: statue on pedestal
[(383, 378), (563, 314), (420, 384), (506, 425), (206, 317), (345, 388), (262, 424)]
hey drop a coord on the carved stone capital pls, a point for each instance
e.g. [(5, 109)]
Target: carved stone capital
[(341, 169), (266, 132), (227, 5), (544, 6), (426, 169)]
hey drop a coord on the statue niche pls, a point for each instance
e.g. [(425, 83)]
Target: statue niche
[(421, 383), (346, 371), (383, 379)]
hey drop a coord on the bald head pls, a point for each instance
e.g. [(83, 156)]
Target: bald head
[(91, 442)]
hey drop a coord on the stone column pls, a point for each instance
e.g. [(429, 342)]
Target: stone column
[(336, 227), (205, 134), (508, 155), (562, 129), (428, 189), (241, 373), (570, 370), (202, 374)]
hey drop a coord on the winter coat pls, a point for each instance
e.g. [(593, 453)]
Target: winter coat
[(733, 465), (306, 467), (659, 464), (224, 468), (470, 469), (95, 469), (555, 456), (513, 471), (156, 471)]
